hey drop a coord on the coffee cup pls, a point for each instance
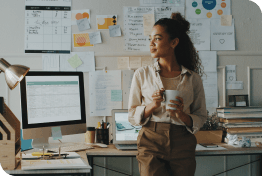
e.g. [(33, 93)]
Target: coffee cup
[(171, 95)]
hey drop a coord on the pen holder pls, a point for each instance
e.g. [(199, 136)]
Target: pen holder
[(102, 136)]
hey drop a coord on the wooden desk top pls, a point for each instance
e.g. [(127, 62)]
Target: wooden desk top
[(112, 151)]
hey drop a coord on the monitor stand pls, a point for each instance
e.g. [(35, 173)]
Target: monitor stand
[(39, 143)]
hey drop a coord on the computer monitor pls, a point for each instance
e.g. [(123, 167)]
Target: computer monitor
[(123, 131), (52, 99)]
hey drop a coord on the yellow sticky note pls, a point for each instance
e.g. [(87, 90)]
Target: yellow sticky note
[(75, 61)]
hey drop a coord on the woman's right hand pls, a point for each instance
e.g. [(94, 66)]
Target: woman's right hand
[(158, 98)]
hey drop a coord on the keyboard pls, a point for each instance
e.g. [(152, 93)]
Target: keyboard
[(72, 148), (127, 145)]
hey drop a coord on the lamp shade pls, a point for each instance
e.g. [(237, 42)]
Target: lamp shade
[(13, 73)]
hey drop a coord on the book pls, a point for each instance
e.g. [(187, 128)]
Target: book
[(239, 109), (240, 120), (77, 163), (243, 124), (240, 115), (243, 130)]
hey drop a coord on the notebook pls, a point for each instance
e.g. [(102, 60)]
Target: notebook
[(124, 134)]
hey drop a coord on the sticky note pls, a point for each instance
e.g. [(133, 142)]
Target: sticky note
[(83, 24), (135, 62), (95, 37), (148, 23), (75, 61), (114, 31), (116, 95), (226, 20), (56, 133)]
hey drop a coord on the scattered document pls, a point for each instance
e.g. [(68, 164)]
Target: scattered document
[(123, 62), (81, 40), (234, 85), (42, 23), (146, 61), (80, 14), (166, 12), (148, 23), (116, 95), (56, 133), (83, 24), (199, 147), (200, 33), (222, 37), (104, 21), (207, 9), (210, 87), (226, 20), (231, 72), (100, 85), (209, 60), (127, 80), (95, 37), (180, 3), (50, 62), (74, 61), (134, 28), (135, 62), (115, 31)]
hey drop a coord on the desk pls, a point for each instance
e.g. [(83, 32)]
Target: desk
[(81, 172), (111, 151)]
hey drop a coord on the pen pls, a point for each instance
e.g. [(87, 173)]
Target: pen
[(108, 125)]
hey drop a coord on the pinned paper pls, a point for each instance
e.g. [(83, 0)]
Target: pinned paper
[(116, 95), (83, 24), (148, 23), (146, 61), (95, 37), (104, 21), (56, 133), (226, 20), (81, 40), (122, 62), (75, 61), (79, 14), (135, 62), (234, 85), (115, 31), (231, 72)]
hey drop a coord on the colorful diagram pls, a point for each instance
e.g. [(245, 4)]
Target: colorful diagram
[(104, 21), (80, 14), (82, 40), (207, 8)]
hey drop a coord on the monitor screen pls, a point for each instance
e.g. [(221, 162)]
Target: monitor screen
[(51, 99), (124, 131)]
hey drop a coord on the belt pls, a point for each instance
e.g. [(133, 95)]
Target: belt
[(164, 126)]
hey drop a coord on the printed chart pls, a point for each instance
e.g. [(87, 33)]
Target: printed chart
[(207, 8), (47, 26)]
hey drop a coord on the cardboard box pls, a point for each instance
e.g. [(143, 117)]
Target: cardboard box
[(212, 136)]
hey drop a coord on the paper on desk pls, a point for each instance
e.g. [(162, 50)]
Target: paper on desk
[(199, 147), (74, 61), (100, 85), (50, 62), (226, 20), (231, 72), (127, 80), (122, 62), (116, 95), (148, 23), (234, 85), (209, 60), (83, 24), (114, 31), (95, 37)]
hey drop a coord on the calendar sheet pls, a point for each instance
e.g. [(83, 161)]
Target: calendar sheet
[(47, 26)]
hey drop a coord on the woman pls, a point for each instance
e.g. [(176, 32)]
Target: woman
[(166, 144)]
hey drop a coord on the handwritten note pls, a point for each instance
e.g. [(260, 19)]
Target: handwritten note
[(83, 24), (146, 61), (122, 62), (148, 22), (74, 61), (231, 72), (135, 62), (114, 31), (116, 95), (95, 37), (226, 20)]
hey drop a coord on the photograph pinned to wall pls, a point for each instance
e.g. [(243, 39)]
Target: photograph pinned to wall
[(115, 31), (104, 21), (81, 40), (80, 14)]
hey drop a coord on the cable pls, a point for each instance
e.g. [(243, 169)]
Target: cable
[(112, 170)]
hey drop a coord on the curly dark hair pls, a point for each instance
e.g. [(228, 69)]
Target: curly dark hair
[(186, 54)]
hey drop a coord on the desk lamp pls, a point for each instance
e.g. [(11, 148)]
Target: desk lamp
[(13, 73)]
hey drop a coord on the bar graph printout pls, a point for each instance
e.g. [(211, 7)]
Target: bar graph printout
[(47, 26)]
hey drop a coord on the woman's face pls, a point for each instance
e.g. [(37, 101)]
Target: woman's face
[(160, 44)]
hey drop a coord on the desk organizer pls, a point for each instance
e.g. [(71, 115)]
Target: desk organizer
[(209, 136), (10, 143), (102, 136)]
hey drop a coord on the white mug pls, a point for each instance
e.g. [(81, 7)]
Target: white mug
[(171, 95)]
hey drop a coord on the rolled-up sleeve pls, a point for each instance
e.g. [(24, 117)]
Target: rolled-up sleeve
[(135, 108), (198, 111)]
